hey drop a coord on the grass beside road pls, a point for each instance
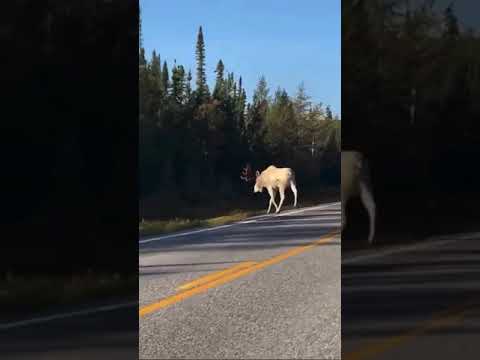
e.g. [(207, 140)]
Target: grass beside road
[(168, 226), (23, 295), (219, 217)]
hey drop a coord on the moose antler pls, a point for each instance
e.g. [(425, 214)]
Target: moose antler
[(247, 173)]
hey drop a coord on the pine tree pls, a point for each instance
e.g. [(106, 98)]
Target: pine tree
[(257, 114), (218, 92), (281, 126), (188, 86), (452, 30), (181, 75), (178, 84), (155, 69), (201, 81), (260, 93), (240, 88), (243, 100), (230, 85), (142, 61), (165, 79), (328, 113), (302, 100)]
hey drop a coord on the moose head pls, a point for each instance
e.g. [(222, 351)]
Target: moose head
[(247, 174)]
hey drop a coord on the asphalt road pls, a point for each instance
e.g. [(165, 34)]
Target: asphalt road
[(281, 300), (100, 331), (420, 302)]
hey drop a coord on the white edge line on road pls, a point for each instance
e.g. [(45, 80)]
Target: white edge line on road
[(144, 241), (424, 244), (438, 286), (318, 207), (412, 273), (44, 319)]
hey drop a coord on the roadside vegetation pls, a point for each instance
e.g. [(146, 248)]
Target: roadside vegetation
[(168, 226), (207, 216), (22, 294), (412, 106), (195, 140)]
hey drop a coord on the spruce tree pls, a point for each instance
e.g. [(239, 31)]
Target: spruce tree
[(260, 93), (165, 81), (328, 113), (155, 75), (155, 69), (142, 61), (219, 83), (302, 100), (243, 100), (257, 115), (240, 87), (451, 23), (201, 81), (178, 84), (188, 86), (230, 84)]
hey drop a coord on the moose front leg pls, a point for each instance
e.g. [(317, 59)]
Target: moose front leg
[(282, 198), (369, 203), (271, 192)]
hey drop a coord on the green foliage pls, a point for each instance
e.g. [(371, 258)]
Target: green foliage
[(202, 88), (261, 93), (219, 91), (193, 146), (451, 30), (281, 127), (178, 85), (399, 56), (165, 78)]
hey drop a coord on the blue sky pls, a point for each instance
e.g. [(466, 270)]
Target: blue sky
[(466, 10), (287, 41)]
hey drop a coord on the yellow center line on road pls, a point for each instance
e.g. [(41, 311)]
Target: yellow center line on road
[(214, 276), (450, 317), (225, 278)]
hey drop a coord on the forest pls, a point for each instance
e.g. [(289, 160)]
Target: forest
[(410, 90), (71, 142), (194, 141)]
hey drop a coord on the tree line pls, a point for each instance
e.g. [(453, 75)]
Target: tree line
[(410, 95), (71, 159), (194, 141)]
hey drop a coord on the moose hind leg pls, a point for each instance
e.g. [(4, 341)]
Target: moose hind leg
[(295, 193), (369, 203)]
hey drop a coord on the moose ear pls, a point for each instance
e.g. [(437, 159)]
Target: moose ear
[(257, 173)]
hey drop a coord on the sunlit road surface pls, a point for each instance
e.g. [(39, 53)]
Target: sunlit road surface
[(420, 302), (268, 287)]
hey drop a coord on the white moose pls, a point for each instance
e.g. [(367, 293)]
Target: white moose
[(273, 179), (356, 182)]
